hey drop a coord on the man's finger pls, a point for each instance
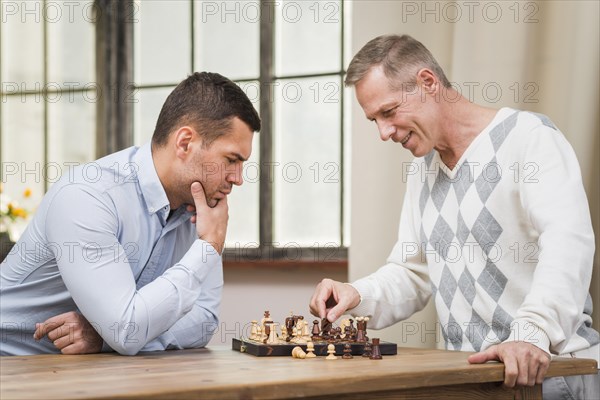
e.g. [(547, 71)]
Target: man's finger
[(336, 312), (511, 372), (58, 332), (42, 329), (322, 303), (198, 195), (490, 354), (63, 342), (541, 372)]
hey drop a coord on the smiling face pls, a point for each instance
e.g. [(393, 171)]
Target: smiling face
[(405, 115), (217, 167)]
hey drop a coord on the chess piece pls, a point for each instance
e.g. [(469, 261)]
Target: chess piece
[(258, 337), (367, 350), (297, 352), (267, 332), (343, 325), (347, 336), (253, 330), (315, 330), (352, 330), (347, 351), (325, 325), (310, 350), (284, 335), (265, 320), (361, 327), (289, 326), (375, 352), (331, 352), (338, 333), (272, 338), (305, 330)]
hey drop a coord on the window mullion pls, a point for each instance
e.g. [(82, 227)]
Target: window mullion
[(45, 77), (342, 130), (267, 27), (114, 72)]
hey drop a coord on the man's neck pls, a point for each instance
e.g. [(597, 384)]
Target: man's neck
[(161, 164), (462, 122)]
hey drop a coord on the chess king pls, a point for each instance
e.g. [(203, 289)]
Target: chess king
[(519, 311)]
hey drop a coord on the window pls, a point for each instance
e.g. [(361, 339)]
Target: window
[(288, 56), (47, 94)]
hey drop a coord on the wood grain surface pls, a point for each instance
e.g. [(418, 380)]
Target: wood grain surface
[(222, 373)]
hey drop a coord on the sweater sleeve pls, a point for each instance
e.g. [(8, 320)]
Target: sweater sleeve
[(401, 287), (555, 202)]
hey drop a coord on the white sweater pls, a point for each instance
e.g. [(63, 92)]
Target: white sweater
[(504, 242)]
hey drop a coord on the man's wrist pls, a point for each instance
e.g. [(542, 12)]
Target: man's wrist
[(358, 300)]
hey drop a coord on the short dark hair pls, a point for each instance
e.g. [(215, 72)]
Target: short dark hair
[(400, 56), (208, 102)]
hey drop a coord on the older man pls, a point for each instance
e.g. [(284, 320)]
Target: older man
[(495, 224)]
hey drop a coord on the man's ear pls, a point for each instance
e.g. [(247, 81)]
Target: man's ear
[(427, 79), (184, 138)]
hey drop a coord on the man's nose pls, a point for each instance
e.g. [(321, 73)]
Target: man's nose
[(386, 130), (236, 177)]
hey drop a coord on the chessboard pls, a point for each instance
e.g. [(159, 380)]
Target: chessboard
[(268, 338), (265, 350)]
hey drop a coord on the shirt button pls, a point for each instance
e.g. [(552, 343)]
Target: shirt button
[(151, 209)]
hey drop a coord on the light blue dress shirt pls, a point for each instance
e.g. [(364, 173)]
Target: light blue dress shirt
[(102, 243)]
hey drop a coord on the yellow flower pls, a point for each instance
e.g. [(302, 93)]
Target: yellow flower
[(27, 193), (20, 212)]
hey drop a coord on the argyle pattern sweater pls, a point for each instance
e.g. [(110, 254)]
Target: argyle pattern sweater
[(503, 242)]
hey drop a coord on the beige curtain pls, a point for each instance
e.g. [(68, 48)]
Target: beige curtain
[(541, 56)]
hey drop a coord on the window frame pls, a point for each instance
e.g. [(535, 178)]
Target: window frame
[(115, 119)]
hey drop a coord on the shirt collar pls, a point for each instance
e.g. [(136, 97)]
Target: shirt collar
[(152, 190)]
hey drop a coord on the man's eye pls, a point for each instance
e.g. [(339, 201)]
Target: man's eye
[(389, 112)]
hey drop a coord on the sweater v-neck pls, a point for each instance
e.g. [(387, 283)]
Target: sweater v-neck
[(500, 116)]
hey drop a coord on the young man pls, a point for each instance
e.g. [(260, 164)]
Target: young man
[(125, 253), (464, 211)]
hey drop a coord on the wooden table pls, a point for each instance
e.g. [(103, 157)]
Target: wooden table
[(220, 373)]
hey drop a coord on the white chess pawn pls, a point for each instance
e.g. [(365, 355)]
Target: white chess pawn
[(310, 350), (331, 352)]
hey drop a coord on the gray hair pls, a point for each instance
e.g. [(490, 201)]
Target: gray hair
[(401, 57)]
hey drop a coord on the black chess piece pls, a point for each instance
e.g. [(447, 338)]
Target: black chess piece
[(267, 331), (375, 352), (326, 326), (367, 350), (289, 327), (347, 352), (360, 333), (315, 330)]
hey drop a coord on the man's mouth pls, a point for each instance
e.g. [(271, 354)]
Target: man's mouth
[(403, 141)]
